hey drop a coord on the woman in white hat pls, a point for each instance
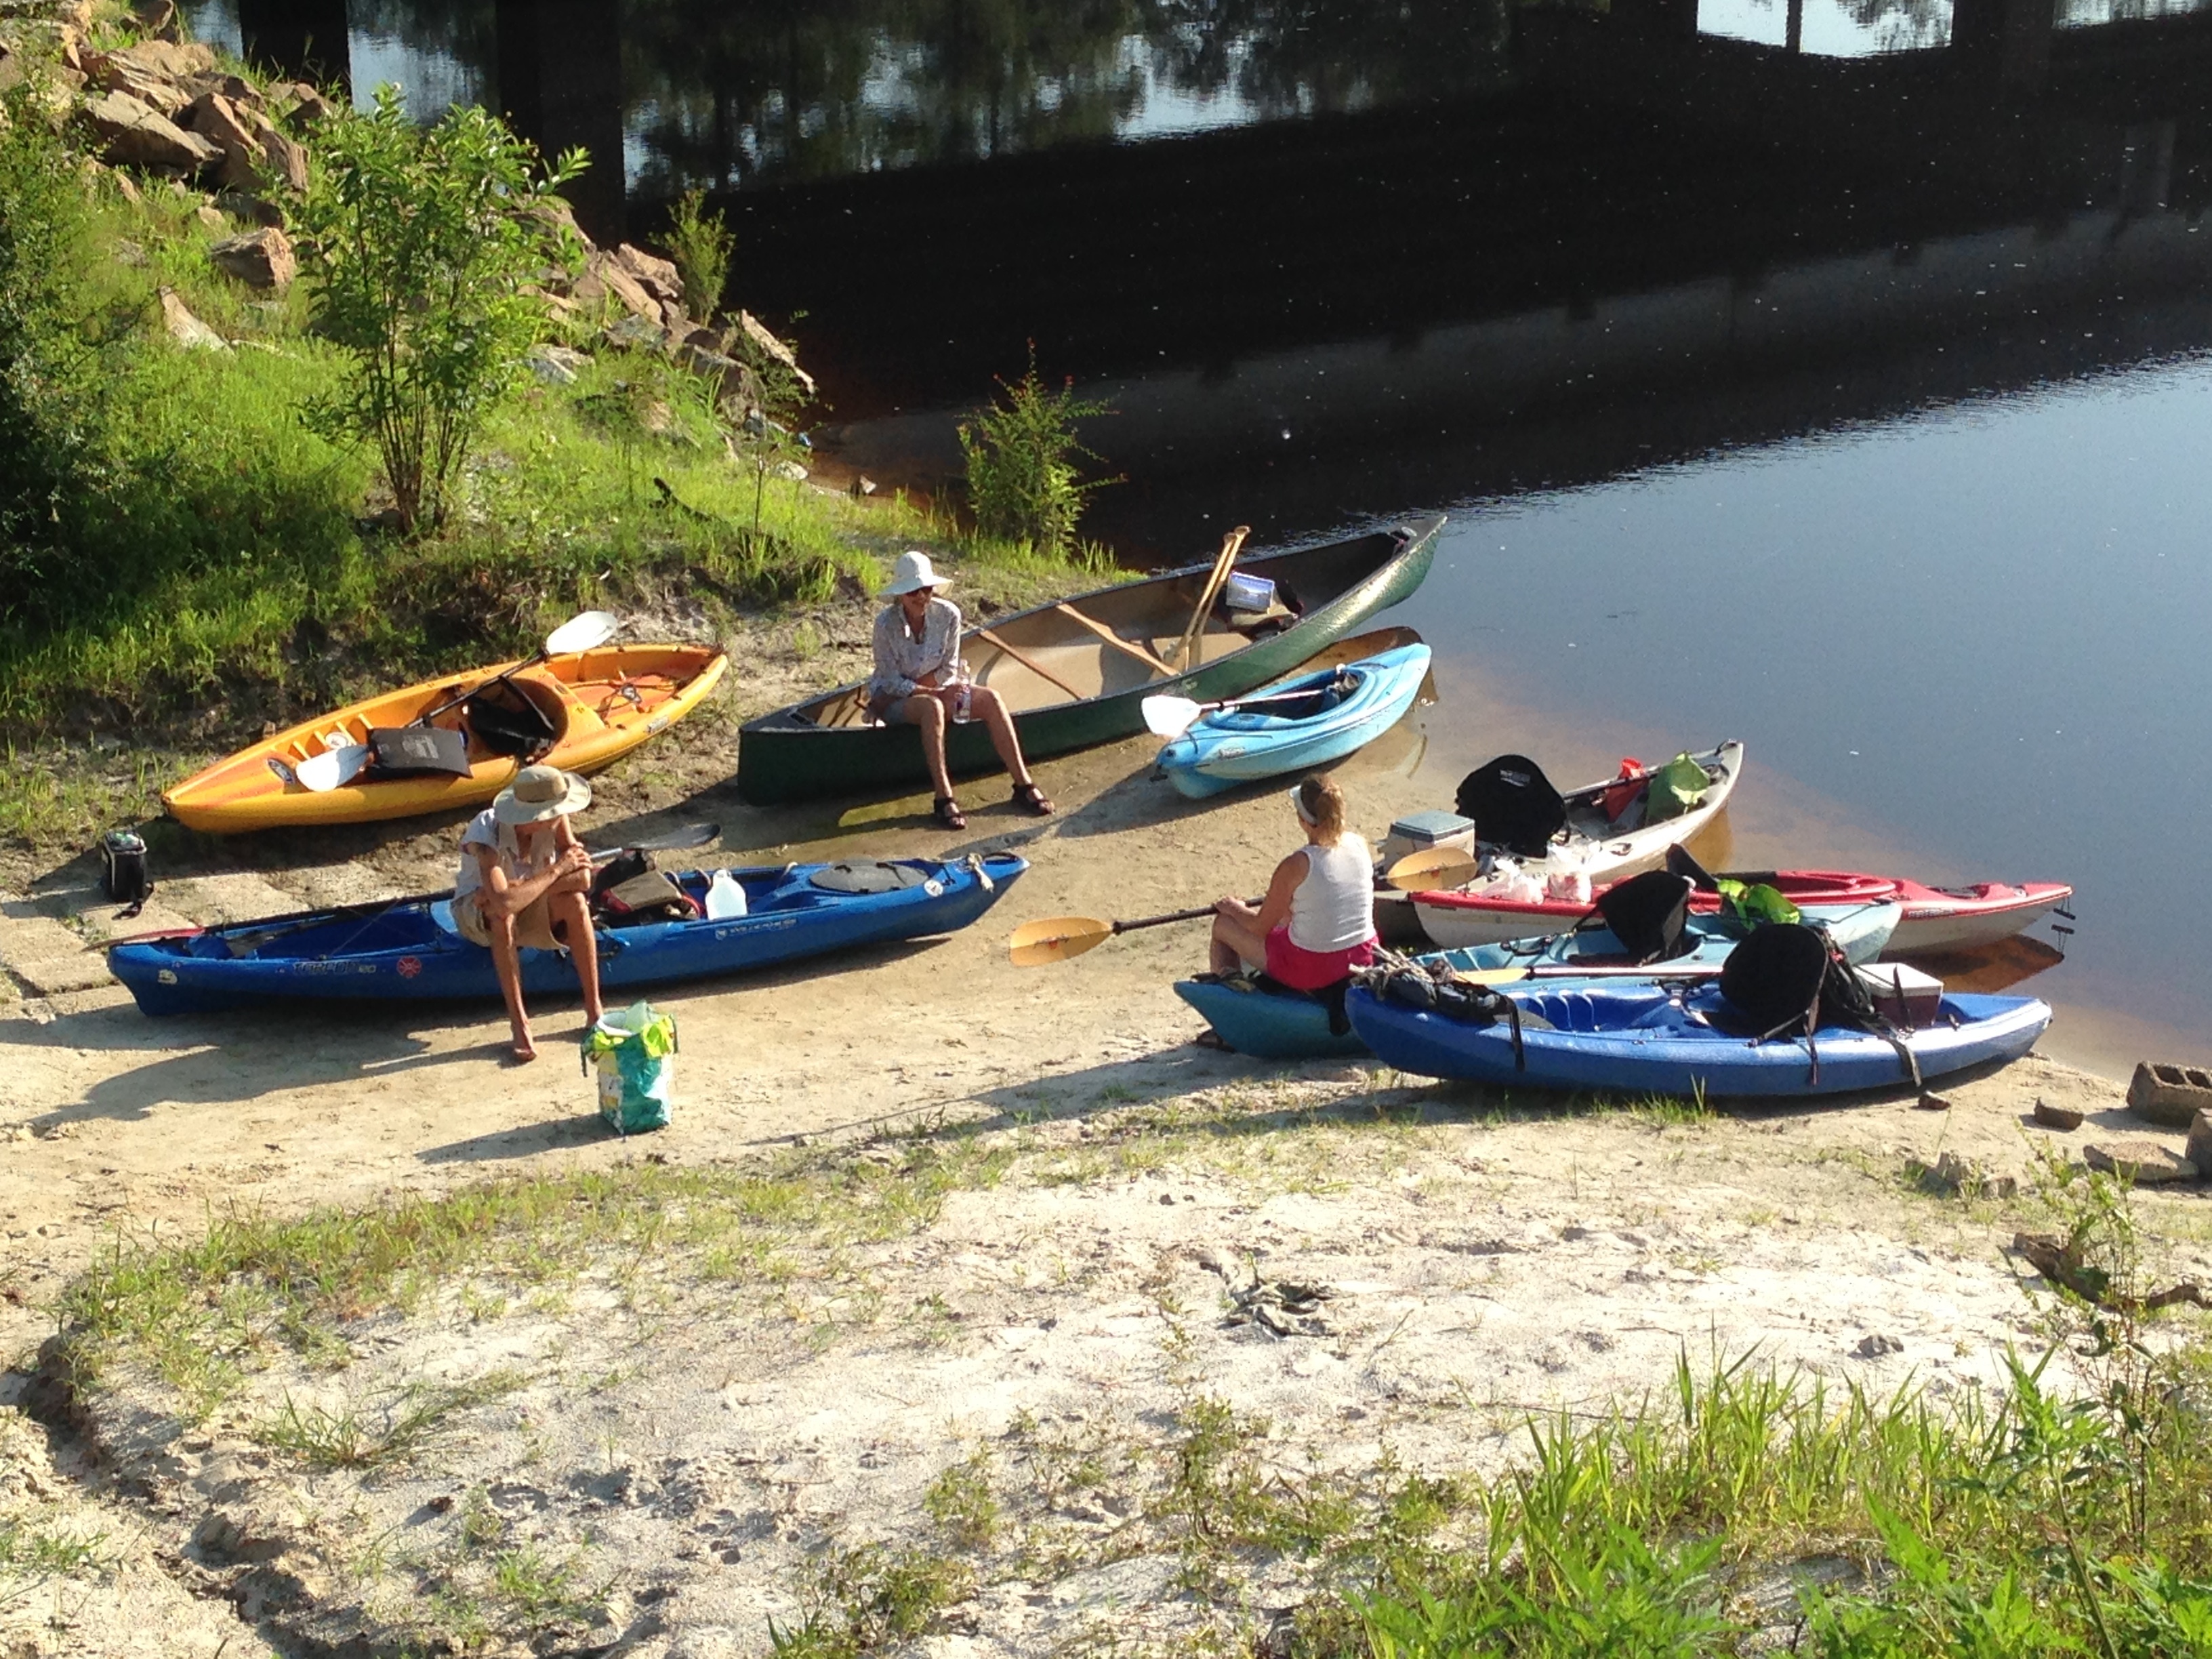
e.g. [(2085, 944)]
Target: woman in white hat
[(920, 679), (524, 882)]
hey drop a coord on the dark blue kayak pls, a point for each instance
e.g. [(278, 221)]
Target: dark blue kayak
[(409, 953), (1642, 1037)]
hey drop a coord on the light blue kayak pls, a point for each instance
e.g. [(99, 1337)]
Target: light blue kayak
[(1274, 1022), (1336, 711)]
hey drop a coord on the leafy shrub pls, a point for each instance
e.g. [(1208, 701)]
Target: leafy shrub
[(1022, 482), (700, 243), (420, 243)]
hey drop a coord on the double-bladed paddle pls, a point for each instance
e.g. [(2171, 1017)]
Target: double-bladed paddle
[(1170, 716), (334, 767), (1058, 938), (267, 927), (1433, 868)]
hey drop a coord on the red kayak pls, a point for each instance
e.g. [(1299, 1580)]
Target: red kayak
[(1935, 918)]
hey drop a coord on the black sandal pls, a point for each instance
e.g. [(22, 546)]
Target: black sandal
[(948, 812), (1029, 795)]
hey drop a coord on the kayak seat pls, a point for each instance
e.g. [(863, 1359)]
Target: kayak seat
[(508, 726), (1647, 913), (1513, 805), (442, 915)]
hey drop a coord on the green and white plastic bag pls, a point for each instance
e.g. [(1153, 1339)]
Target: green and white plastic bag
[(634, 1049)]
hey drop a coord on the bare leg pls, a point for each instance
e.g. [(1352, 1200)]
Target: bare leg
[(1004, 738), (571, 917), (1238, 941), (927, 711), (508, 964)]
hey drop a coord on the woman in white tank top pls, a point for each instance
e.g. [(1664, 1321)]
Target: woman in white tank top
[(1317, 923)]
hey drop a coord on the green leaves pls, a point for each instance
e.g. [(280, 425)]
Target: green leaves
[(423, 245), (1022, 482)]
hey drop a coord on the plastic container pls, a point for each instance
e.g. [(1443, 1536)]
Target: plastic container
[(725, 897), (1242, 593), (635, 1050)]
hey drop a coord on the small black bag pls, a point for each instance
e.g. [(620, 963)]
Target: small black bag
[(399, 751), (123, 870)]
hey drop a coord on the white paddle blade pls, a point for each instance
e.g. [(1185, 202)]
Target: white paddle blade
[(585, 633), (323, 772), (1167, 716)]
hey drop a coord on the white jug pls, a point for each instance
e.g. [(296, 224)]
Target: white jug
[(724, 898)]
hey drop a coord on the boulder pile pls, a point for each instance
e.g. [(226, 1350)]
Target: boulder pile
[(165, 108)]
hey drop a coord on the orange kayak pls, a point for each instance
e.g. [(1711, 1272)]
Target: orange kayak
[(579, 712)]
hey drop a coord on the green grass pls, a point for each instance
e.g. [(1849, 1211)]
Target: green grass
[(33, 1555), (202, 1315), (353, 1436)]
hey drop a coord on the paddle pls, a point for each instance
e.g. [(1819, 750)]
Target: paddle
[(1229, 545), (323, 772), (688, 836), (1598, 970), (1058, 938), (1167, 715), (1432, 868)]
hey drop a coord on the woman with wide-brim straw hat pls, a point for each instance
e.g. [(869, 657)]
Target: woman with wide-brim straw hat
[(525, 884), (920, 680)]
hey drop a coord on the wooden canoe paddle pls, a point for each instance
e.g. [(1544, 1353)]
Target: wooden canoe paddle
[(1229, 545), (1058, 938)]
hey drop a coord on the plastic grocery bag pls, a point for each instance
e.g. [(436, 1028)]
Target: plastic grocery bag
[(634, 1049)]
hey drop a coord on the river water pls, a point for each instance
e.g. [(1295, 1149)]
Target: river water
[(1832, 374)]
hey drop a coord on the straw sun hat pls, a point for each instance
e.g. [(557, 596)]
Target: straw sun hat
[(912, 571), (539, 793)]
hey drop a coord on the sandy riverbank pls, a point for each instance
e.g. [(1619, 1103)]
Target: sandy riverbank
[(1485, 1258)]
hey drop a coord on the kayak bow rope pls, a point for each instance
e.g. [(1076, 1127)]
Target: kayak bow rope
[(1058, 938), (343, 763)]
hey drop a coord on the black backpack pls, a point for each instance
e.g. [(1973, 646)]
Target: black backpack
[(1648, 913), (1513, 806)]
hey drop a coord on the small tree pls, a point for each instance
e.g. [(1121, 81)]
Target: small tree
[(1022, 482), (700, 245), (420, 243)]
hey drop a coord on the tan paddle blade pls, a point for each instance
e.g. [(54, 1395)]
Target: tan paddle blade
[(1432, 870), (1035, 944)]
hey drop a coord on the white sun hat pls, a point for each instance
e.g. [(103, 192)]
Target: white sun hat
[(912, 571), (540, 793)]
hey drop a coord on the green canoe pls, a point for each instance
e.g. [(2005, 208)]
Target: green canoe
[(1070, 687)]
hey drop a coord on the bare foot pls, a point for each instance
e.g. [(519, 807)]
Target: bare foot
[(525, 1050)]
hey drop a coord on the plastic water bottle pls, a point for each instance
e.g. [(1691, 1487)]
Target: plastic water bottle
[(724, 898), (962, 703)]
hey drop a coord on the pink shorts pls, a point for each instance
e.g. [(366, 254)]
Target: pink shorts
[(1309, 970)]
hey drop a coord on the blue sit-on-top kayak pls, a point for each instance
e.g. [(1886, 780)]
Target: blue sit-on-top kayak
[(1275, 1022), (408, 952), (1334, 713), (1647, 1038)]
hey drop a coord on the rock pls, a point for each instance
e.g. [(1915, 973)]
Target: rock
[(259, 258), (156, 19), (603, 275), (1874, 1345), (167, 58), (2057, 1117), (216, 119), (634, 334), (239, 91), (126, 186), (656, 275), (1955, 1176), (130, 254), (133, 133), (11, 69), (281, 157), (2168, 1094), (2199, 1149), (211, 215), (2145, 1162), (863, 484), (114, 73), (556, 365), (310, 109), (756, 332), (186, 330), (790, 471), (249, 209)]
